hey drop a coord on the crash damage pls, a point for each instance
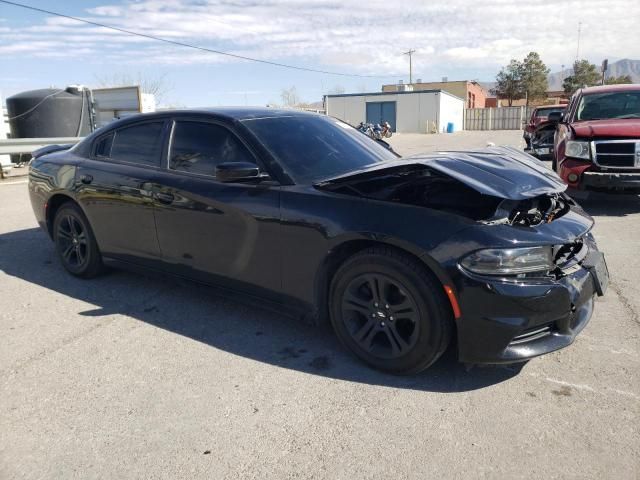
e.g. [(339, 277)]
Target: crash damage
[(513, 199), (497, 185)]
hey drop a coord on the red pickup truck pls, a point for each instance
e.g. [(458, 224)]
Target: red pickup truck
[(597, 139)]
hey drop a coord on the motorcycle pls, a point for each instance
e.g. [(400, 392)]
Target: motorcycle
[(377, 131)]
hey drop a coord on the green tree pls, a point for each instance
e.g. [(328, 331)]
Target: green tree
[(618, 80), (509, 82), (585, 74), (533, 76)]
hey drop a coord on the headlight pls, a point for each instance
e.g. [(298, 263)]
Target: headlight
[(578, 150), (509, 261)]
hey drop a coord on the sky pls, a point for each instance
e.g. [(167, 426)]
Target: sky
[(459, 39)]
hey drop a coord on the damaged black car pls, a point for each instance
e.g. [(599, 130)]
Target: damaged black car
[(481, 251)]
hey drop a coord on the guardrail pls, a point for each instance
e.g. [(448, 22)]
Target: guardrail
[(14, 146)]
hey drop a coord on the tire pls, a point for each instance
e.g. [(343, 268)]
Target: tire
[(75, 243), (390, 311)]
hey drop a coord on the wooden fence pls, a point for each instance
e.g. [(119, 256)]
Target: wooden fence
[(503, 118)]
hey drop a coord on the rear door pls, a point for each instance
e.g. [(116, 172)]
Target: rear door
[(213, 231), (113, 190)]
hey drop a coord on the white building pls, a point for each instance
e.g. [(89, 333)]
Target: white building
[(422, 111)]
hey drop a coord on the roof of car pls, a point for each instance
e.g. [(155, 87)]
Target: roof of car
[(234, 113), (628, 87)]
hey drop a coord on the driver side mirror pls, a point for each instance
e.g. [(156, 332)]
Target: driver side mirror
[(234, 171), (555, 117)]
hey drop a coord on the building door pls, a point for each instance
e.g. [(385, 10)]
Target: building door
[(378, 112)]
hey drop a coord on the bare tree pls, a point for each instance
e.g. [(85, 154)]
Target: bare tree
[(290, 96), (337, 90), (155, 85)]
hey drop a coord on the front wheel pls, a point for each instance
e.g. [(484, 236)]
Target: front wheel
[(390, 311), (75, 242)]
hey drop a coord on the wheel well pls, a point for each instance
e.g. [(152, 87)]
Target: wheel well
[(335, 259), (53, 205)]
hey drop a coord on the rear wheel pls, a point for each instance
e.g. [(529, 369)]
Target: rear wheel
[(390, 311), (75, 242)]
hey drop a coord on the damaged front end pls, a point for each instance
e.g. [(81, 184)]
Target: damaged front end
[(494, 186), (542, 139), (526, 269)]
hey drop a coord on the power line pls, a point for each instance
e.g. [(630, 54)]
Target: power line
[(188, 45)]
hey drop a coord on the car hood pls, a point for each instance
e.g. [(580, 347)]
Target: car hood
[(502, 172), (627, 127)]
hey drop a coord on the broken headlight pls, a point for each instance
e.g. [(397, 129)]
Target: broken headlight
[(509, 261), (576, 149)]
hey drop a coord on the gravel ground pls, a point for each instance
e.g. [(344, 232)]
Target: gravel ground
[(128, 376)]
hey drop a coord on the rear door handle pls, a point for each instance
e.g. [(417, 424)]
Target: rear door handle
[(86, 179), (163, 197)]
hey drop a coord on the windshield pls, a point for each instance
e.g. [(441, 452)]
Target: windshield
[(313, 148), (544, 112), (609, 105)]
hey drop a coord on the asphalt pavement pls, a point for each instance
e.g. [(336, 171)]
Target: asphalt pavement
[(130, 376)]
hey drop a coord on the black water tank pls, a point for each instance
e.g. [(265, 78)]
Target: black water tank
[(49, 113)]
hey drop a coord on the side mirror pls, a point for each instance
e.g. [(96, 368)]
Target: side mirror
[(234, 171), (555, 117)]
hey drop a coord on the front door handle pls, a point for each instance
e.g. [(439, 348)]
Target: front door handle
[(86, 179), (163, 197)]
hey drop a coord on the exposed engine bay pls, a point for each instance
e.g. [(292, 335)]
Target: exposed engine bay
[(422, 186)]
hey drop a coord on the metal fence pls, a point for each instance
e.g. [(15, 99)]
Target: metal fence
[(503, 118)]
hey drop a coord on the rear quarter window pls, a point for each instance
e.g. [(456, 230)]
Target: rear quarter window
[(102, 146)]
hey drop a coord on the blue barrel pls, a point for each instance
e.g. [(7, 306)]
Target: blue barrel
[(450, 127)]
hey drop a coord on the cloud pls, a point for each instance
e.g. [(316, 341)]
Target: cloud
[(344, 35)]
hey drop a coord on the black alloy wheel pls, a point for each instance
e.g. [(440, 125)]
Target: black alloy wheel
[(75, 242), (72, 242), (380, 315), (390, 311)]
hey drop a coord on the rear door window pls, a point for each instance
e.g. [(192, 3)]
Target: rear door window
[(140, 144), (198, 147)]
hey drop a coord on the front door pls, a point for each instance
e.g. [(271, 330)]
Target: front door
[(213, 231)]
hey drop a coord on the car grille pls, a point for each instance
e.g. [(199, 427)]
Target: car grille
[(617, 153)]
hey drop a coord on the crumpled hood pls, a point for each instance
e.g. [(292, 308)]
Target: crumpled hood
[(502, 172), (628, 127)]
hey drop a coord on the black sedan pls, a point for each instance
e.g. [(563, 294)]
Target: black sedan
[(404, 256)]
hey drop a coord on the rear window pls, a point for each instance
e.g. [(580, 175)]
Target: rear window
[(140, 144), (544, 112)]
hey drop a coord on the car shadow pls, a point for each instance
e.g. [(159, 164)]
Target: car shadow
[(204, 314), (608, 204)]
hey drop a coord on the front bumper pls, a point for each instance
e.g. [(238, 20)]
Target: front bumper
[(507, 321), (610, 180)]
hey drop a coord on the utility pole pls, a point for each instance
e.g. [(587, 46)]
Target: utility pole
[(578, 48), (410, 53)]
